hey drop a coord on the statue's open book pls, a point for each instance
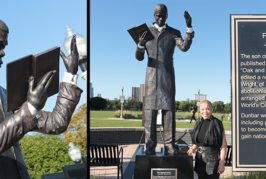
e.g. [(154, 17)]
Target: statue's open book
[(19, 71), (137, 32)]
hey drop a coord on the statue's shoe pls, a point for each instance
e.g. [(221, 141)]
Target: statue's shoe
[(170, 150), (150, 151)]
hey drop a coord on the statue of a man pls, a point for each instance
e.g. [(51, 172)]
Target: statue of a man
[(160, 77), (30, 117)]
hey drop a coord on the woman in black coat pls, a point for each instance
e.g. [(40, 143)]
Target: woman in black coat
[(209, 144)]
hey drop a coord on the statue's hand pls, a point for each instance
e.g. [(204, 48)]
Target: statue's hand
[(71, 62), (142, 40), (37, 97), (188, 19)]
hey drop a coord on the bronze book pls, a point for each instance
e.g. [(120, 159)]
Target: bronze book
[(19, 71), (137, 31)]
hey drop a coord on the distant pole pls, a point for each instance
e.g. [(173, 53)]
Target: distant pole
[(198, 102), (122, 101)]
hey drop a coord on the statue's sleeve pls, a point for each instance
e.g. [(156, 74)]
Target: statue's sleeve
[(56, 122), (184, 45), (15, 126), (139, 53)]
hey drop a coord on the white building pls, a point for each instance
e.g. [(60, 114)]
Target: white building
[(200, 97)]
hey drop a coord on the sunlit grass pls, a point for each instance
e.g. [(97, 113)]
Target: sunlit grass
[(126, 123)]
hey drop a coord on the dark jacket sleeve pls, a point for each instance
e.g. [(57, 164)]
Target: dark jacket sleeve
[(14, 127), (56, 122), (139, 54), (184, 45)]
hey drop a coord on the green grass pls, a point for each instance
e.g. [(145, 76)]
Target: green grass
[(114, 123), (124, 123), (253, 175), (102, 114), (100, 119), (111, 114)]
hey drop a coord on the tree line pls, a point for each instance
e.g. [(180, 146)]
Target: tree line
[(218, 106), (98, 103)]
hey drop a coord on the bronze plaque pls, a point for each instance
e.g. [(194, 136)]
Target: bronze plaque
[(163, 173)]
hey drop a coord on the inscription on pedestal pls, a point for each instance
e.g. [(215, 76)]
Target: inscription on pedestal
[(165, 173)]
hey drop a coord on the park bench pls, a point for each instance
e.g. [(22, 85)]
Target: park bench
[(228, 159), (179, 117), (107, 155)]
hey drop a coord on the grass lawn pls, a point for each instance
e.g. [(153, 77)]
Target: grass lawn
[(111, 114), (100, 119)]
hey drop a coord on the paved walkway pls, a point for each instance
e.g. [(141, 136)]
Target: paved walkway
[(128, 166)]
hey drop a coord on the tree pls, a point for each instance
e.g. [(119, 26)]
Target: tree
[(194, 104), (45, 154), (184, 105), (129, 104), (177, 103), (140, 104), (98, 103), (110, 106), (77, 128), (227, 107), (137, 105), (118, 105), (218, 106)]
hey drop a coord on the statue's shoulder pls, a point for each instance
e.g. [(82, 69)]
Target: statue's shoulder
[(173, 30)]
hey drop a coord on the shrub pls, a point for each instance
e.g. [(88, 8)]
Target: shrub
[(196, 115), (45, 154), (187, 114)]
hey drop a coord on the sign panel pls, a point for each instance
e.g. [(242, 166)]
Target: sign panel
[(248, 56), (163, 173)]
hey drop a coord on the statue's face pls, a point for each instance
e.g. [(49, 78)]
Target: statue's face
[(160, 18), (3, 43)]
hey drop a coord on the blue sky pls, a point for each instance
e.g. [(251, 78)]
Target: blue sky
[(36, 26), (205, 66)]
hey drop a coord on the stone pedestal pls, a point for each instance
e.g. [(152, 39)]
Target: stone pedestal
[(162, 166)]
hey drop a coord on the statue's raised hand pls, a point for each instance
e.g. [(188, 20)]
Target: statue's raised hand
[(188, 19), (142, 40), (37, 97), (71, 62)]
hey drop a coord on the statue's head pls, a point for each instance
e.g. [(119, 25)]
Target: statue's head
[(3, 39), (160, 14)]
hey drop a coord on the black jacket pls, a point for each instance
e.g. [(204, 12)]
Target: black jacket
[(214, 133)]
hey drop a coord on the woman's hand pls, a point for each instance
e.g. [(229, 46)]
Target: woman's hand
[(191, 151), (220, 168)]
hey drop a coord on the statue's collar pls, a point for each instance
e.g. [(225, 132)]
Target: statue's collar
[(158, 27)]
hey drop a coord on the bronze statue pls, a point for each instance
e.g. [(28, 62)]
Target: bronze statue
[(30, 117), (160, 77)]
